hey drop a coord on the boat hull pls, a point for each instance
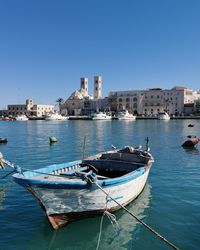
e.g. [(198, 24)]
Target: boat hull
[(163, 116), (131, 118), (191, 142), (65, 205)]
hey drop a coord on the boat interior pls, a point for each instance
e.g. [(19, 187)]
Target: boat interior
[(109, 165)]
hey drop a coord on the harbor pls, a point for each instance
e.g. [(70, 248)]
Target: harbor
[(100, 125), (166, 203)]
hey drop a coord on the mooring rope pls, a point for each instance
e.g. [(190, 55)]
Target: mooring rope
[(134, 216), (93, 180), (113, 221)]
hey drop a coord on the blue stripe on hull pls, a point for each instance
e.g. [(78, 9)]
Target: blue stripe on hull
[(77, 184)]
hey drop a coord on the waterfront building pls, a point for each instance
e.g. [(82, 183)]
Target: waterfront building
[(176, 101), (151, 101), (197, 106), (28, 109), (81, 103)]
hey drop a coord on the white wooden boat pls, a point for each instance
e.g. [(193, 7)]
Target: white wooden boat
[(56, 117), (21, 118), (71, 190), (163, 116), (125, 115), (101, 116)]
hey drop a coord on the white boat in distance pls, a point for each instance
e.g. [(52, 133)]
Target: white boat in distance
[(125, 115), (163, 116), (56, 117), (80, 188), (21, 118), (101, 116)]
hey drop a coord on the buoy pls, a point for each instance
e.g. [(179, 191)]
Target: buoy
[(52, 139)]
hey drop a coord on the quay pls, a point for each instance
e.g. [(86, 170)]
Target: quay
[(85, 117), (171, 118), (79, 117)]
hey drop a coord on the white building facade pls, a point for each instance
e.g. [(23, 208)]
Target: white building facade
[(152, 101), (28, 109)]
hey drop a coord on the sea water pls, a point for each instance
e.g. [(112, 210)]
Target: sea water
[(170, 202)]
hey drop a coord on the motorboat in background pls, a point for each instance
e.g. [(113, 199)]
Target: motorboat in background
[(125, 115), (55, 117), (163, 116), (21, 118), (101, 116)]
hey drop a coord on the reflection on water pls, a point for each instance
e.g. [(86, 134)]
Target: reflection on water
[(86, 231), (175, 169), (192, 150), (2, 195)]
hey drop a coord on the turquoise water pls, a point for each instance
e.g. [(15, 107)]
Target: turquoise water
[(170, 202)]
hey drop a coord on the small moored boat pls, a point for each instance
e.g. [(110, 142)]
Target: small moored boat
[(163, 116), (56, 117), (3, 140), (21, 118), (125, 115), (101, 116), (190, 125), (77, 189), (191, 141)]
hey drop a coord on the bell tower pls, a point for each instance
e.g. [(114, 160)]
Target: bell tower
[(97, 87), (84, 86)]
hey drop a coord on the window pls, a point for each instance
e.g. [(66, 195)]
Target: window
[(127, 99), (120, 99), (135, 99)]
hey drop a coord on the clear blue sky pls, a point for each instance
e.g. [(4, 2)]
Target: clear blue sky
[(46, 46)]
